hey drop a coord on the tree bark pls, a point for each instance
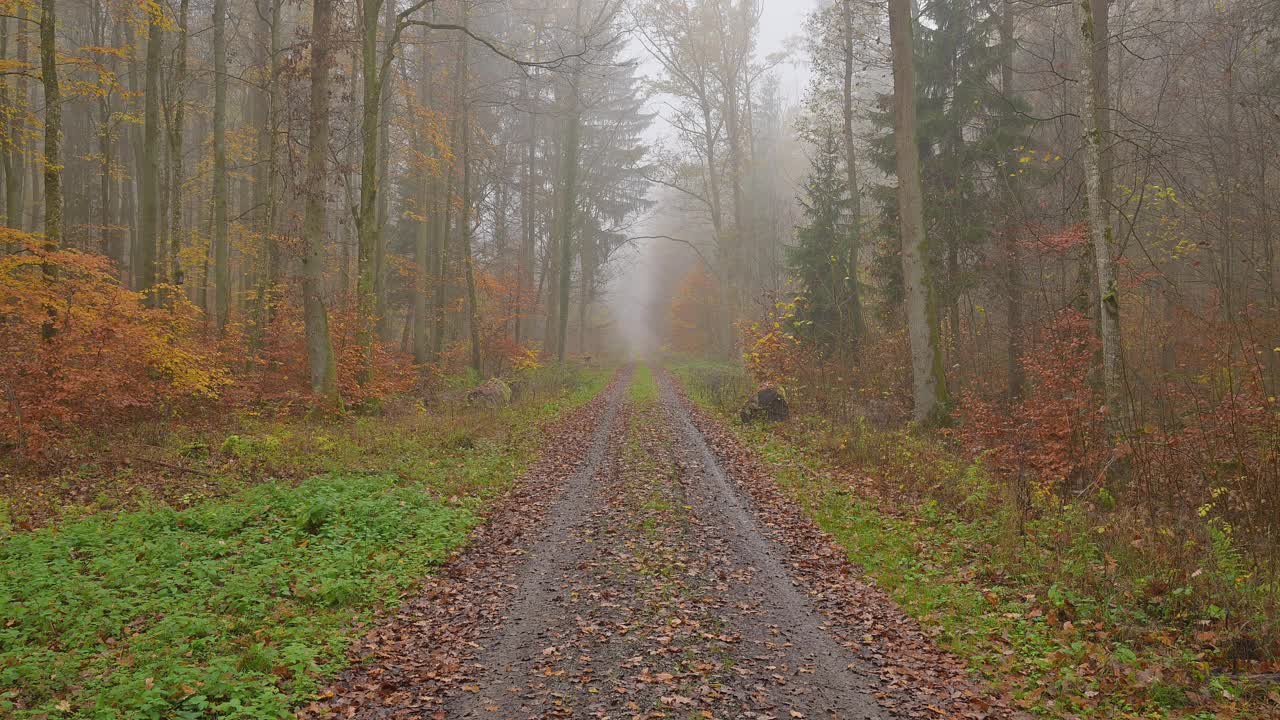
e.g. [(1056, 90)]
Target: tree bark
[(1013, 275), (144, 270), (568, 208), (221, 237), (528, 208), (367, 214), (106, 147), (176, 132), (52, 124), (929, 382), (320, 356), (384, 163), (1100, 235), (857, 321), (464, 213), (427, 211), (15, 176)]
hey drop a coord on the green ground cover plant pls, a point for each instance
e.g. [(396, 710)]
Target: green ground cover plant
[(1039, 607), (240, 606)]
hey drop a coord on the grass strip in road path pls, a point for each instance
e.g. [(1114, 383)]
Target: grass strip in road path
[(1012, 615), (238, 607)]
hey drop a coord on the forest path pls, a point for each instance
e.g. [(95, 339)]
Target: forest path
[(646, 583), (653, 593)]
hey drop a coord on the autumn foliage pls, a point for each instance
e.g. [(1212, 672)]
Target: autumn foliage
[(691, 316), (1053, 433), (275, 375), (81, 351)]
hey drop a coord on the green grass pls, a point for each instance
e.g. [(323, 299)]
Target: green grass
[(242, 606), (643, 390), (1032, 614)]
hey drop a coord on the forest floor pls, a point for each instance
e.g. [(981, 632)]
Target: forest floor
[(221, 569), (630, 576)]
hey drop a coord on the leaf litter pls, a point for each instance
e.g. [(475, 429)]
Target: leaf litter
[(648, 567)]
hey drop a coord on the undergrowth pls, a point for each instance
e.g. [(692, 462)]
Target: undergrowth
[(241, 606), (1043, 603), (182, 463)]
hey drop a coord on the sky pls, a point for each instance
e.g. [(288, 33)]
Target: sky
[(780, 20)]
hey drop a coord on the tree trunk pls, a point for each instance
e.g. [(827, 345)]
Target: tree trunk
[(384, 162), (929, 382), (366, 214), (440, 297), (176, 132), (568, 208), (144, 270), (857, 322), (464, 213), (320, 357), (427, 210), (268, 177), (1100, 236), (528, 209), (52, 124), (14, 159), (221, 239), (1013, 276), (275, 118)]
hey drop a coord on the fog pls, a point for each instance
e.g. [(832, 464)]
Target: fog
[(645, 279)]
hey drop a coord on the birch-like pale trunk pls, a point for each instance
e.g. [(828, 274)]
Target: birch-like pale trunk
[(928, 381), (1100, 233), (857, 323)]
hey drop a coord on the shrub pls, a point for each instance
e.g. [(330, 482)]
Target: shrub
[(82, 351)]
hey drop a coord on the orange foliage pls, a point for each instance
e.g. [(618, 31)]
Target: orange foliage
[(1055, 431), (498, 301), (691, 317), (108, 358), (278, 375)]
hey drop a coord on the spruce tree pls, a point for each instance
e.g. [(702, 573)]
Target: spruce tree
[(820, 258)]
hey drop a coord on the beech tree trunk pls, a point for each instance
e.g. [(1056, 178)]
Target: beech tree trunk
[(15, 177), (221, 238), (464, 213), (929, 382), (52, 124), (320, 357), (366, 214), (528, 208), (427, 211), (144, 269), (384, 163)]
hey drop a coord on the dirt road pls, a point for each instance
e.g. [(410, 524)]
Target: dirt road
[(632, 577)]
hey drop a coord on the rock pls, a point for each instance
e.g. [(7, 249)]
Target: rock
[(769, 403), (494, 393)]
